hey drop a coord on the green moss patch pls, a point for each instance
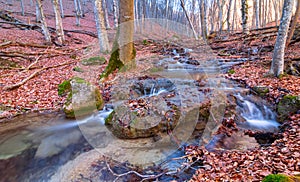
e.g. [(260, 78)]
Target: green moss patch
[(289, 104), (94, 61), (277, 178)]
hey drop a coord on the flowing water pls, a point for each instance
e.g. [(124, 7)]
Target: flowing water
[(36, 150)]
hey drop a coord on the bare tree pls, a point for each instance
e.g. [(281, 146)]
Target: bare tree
[(189, 20), (245, 16), (100, 24), (105, 10), (123, 52), (278, 55), (58, 23), (115, 9), (228, 15), (43, 21), (22, 7), (78, 11), (294, 23), (61, 8)]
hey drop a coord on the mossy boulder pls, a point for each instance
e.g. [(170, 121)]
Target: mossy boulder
[(288, 105), (83, 99), (127, 123), (94, 61), (277, 178), (261, 90)]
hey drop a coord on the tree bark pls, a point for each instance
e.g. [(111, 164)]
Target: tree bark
[(58, 23), (115, 9), (245, 16), (61, 8), (294, 23), (100, 24), (22, 7), (189, 20), (43, 21), (278, 55), (105, 10), (123, 51)]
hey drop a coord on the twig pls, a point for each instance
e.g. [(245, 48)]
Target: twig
[(145, 177), (10, 87)]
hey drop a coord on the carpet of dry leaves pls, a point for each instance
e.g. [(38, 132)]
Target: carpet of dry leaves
[(40, 92)]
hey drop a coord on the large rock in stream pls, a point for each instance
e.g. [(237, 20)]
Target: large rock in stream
[(83, 98), (143, 110)]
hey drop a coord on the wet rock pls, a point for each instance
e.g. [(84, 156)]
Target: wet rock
[(293, 68), (158, 116), (261, 90), (83, 99), (192, 62), (288, 105)]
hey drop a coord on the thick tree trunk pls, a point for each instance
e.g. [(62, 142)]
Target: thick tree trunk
[(43, 21), (294, 23), (100, 24), (278, 55), (245, 16), (58, 23)]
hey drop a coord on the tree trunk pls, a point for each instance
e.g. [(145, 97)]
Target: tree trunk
[(22, 7), (105, 10), (245, 16), (257, 14), (123, 51), (77, 11), (100, 24), (278, 55), (234, 16), (58, 23), (61, 8), (294, 23), (43, 21), (228, 15), (189, 20), (115, 9), (37, 13)]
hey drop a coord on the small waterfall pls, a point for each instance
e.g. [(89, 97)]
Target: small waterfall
[(257, 118), (154, 91)]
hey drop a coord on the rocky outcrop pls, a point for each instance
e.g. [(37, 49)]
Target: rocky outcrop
[(288, 105), (83, 98)]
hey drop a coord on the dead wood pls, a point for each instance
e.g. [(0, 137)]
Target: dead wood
[(10, 87)]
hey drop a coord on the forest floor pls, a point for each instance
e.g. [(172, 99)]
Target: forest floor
[(35, 70)]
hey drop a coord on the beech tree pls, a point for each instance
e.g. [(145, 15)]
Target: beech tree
[(100, 24), (123, 51), (58, 23), (245, 16), (278, 54), (43, 20)]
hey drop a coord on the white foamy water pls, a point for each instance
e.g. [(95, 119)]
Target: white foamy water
[(257, 118)]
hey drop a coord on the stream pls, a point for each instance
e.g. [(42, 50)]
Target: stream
[(37, 149)]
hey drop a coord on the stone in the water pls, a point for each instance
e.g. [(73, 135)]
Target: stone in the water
[(83, 99), (128, 123)]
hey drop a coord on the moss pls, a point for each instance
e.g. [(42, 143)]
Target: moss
[(231, 71), (156, 69), (64, 87), (99, 100), (145, 42), (289, 104), (261, 90), (78, 69), (113, 64), (94, 61), (277, 178), (108, 120)]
